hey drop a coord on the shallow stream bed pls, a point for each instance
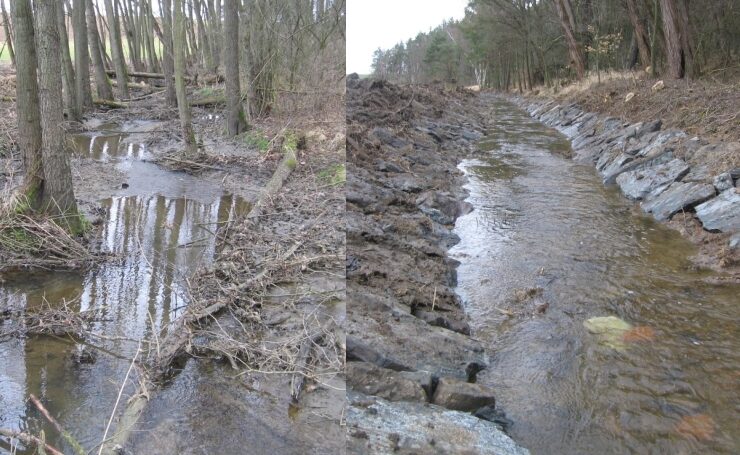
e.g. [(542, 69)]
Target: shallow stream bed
[(547, 248)]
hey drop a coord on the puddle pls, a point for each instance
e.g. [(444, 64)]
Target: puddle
[(159, 230), (543, 221)]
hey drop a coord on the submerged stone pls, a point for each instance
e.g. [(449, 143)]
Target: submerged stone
[(609, 329)]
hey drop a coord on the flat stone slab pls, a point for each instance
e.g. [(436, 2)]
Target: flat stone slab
[(721, 213), (639, 183), (392, 385), (462, 396), (376, 426), (676, 197)]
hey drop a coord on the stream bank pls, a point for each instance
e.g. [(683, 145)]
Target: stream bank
[(412, 362), (690, 183)]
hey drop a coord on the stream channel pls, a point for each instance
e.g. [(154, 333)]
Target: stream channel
[(548, 247), (158, 230)]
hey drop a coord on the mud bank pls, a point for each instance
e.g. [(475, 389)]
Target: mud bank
[(687, 182), (410, 354)]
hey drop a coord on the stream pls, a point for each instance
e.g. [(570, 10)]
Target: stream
[(158, 228), (549, 247)]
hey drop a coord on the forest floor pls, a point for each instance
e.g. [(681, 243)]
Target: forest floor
[(277, 337)]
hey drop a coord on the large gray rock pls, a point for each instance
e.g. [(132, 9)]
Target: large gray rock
[(392, 385), (462, 396), (639, 183), (676, 197), (376, 426), (723, 182), (721, 213)]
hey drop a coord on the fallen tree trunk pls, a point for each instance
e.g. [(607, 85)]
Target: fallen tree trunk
[(143, 75), (111, 104), (210, 101)]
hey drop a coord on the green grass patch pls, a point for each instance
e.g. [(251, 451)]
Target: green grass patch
[(257, 140), (333, 175)]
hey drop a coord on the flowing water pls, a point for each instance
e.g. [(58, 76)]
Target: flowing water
[(158, 230), (549, 247)]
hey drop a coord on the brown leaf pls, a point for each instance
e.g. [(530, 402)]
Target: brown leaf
[(700, 426)]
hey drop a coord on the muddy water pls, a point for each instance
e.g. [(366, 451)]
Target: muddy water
[(549, 247), (158, 230)]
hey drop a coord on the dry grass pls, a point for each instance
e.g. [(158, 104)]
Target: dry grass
[(706, 107)]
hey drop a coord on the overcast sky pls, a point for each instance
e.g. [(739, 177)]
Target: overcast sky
[(373, 24)]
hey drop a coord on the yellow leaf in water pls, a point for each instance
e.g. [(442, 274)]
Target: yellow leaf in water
[(641, 333)]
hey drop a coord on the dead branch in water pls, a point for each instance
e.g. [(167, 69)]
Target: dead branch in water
[(29, 440), (65, 434), (58, 320)]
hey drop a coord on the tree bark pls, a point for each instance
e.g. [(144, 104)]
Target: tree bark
[(102, 84), (117, 50), (182, 101), (641, 35), (673, 47), (234, 116), (70, 91), (82, 57), (566, 19), (58, 194), (29, 121)]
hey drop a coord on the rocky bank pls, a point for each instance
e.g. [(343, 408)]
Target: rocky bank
[(411, 360), (687, 181)]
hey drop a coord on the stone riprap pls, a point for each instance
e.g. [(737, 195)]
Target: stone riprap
[(641, 159)]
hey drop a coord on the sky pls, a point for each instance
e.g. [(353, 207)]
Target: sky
[(373, 24)]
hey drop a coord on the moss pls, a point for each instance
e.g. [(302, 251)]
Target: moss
[(291, 163), (290, 142)]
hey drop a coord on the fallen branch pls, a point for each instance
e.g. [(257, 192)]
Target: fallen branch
[(110, 103), (65, 434), (299, 377), (29, 439), (210, 101)]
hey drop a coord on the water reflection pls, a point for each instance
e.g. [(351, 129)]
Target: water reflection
[(157, 241)]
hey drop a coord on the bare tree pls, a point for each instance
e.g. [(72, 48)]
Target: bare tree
[(168, 64), (102, 84), (640, 32), (70, 90), (29, 122), (234, 117), (82, 57), (183, 106), (675, 52), (567, 21), (8, 33), (117, 50), (58, 194)]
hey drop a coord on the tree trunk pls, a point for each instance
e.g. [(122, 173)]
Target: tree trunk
[(183, 106), (8, 34), (117, 50), (82, 57), (29, 123), (673, 47), (641, 36), (58, 194), (234, 117), (102, 83), (168, 64), (70, 91), (566, 19)]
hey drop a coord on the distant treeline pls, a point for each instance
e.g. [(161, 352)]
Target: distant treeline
[(509, 43)]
